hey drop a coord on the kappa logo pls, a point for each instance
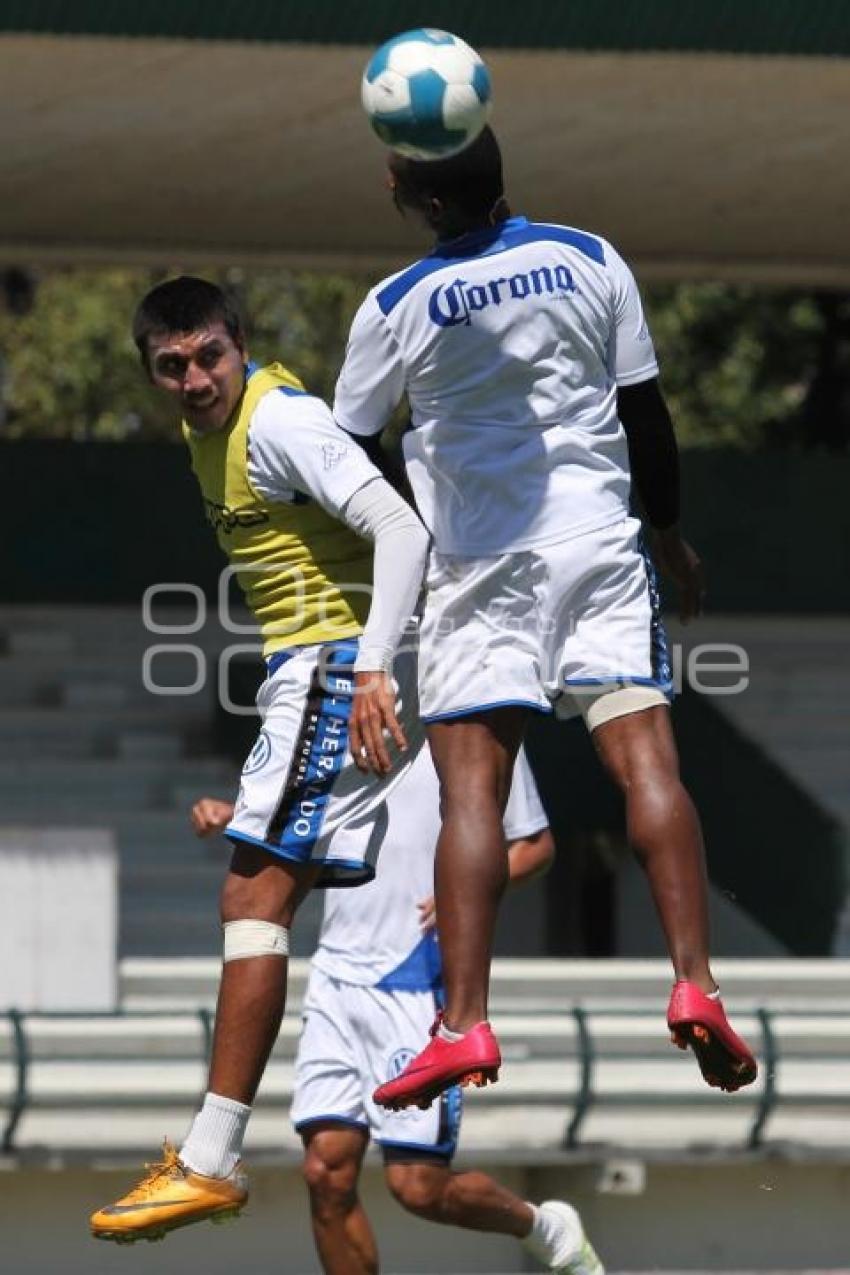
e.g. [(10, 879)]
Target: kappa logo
[(332, 454), (454, 303)]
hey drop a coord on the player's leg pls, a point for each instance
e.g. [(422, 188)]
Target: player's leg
[(333, 1156), (418, 1147), (429, 1189), (474, 759), (329, 1112), (609, 654), (252, 991), (261, 895), (277, 828), (638, 751), (479, 679)]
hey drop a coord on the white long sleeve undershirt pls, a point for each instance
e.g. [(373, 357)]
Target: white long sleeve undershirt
[(378, 513)]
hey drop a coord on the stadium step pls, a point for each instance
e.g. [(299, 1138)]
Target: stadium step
[(28, 630), (84, 683), (83, 742), (29, 733), (92, 777), (550, 986)]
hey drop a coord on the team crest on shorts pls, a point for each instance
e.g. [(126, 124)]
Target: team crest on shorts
[(398, 1061), (259, 754)]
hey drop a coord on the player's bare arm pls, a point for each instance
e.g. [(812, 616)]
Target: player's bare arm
[(654, 460), (530, 857), (682, 564)]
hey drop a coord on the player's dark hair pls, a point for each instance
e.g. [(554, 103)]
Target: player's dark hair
[(470, 182), (183, 305)]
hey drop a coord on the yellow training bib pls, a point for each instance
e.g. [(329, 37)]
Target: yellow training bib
[(306, 576)]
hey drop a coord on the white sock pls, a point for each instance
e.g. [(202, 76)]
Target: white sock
[(546, 1234), (445, 1033), (213, 1146)]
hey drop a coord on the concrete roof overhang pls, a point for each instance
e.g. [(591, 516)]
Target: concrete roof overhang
[(697, 164)]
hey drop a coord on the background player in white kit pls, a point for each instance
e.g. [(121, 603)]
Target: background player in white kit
[(373, 990), (532, 383)]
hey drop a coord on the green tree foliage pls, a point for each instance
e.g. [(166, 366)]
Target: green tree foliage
[(736, 363), (741, 367), (69, 368), (302, 319)]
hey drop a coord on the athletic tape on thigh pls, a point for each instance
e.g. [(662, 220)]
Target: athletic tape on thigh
[(604, 707), (254, 938)]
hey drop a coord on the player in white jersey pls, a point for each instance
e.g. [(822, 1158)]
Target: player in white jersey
[(532, 382), (373, 989)]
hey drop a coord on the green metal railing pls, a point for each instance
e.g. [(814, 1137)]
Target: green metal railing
[(19, 1097), (23, 1055), (764, 1099)]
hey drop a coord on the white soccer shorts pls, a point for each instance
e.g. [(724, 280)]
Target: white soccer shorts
[(353, 1039), (553, 627), (299, 783)]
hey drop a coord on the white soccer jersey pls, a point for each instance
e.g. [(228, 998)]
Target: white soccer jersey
[(371, 936), (510, 343)]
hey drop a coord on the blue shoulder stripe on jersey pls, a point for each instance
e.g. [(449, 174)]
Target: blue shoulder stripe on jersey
[(489, 241), (389, 297), (292, 391), (587, 244)]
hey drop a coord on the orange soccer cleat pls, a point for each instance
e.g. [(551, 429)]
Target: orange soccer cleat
[(169, 1196)]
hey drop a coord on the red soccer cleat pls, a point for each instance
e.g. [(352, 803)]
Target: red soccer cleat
[(700, 1021), (474, 1059)]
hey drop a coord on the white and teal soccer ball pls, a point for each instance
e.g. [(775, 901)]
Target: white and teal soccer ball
[(427, 93)]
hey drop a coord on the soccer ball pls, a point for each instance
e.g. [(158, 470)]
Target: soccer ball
[(427, 93)]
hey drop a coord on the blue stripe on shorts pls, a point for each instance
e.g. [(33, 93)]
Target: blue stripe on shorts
[(319, 753)]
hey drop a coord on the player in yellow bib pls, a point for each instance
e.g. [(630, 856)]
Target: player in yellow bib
[(295, 504)]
